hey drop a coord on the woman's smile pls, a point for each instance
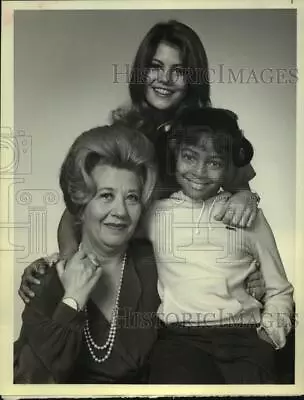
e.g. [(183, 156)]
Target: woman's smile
[(116, 226), (163, 91)]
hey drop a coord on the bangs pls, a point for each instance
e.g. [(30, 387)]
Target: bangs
[(204, 137)]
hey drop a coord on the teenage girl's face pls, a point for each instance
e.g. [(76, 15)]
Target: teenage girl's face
[(200, 170), (166, 86)]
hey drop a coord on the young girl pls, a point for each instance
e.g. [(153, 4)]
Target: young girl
[(169, 74), (213, 331)]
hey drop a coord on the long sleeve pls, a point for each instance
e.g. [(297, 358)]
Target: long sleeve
[(278, 308), (51, 335)]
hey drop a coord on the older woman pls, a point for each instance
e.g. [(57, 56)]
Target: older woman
[(91, 320)]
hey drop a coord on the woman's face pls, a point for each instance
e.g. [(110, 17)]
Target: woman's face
[(110, 218), (166, 86)]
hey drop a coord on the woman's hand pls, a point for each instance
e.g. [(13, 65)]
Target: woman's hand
[(255, 283), (239, 210), (79, 276), (30, 277)]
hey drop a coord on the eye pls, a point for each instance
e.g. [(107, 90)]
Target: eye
[(133, 198), (188, 156), (155, 66), (216, 163), (178, 71), (106, 196)]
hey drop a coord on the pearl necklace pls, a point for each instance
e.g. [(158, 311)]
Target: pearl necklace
[(108, 346)]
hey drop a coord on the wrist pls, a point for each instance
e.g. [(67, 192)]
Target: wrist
[(71, 302), (75, 300)]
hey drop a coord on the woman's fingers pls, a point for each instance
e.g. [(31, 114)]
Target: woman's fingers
[(60, 267), (96, 276), (80, 255), (75, 261)]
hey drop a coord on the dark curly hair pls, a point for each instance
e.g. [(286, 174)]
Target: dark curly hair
[(221, 124)]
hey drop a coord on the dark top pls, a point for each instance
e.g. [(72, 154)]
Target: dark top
[(51, 347)]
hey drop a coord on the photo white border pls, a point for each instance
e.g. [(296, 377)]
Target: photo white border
[(6, 258)]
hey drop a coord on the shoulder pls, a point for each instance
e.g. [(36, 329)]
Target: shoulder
[(261, 231), (151, 219), (140, 248), (142, 253), (163, 205), (259, 222)]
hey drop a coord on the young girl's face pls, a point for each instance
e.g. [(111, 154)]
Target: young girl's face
[(200, 169), (166, 86)]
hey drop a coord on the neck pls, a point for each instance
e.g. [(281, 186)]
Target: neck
[(200, 200), (159, 116)]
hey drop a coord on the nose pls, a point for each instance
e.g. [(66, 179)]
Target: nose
[(119, 208), (200, 170), (164, 75)]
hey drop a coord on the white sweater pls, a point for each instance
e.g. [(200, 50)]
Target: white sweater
[(202, 268)]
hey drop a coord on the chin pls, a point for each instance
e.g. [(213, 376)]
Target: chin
[(115, 244), (201, 195), (160, 105)]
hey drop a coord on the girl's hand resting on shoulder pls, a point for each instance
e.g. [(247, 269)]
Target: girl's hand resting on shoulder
[(32, 274), (239, 210)]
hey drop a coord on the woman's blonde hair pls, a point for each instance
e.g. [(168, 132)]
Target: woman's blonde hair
[(115, 145)]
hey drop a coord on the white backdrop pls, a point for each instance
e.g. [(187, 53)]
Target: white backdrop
[(64, 85)]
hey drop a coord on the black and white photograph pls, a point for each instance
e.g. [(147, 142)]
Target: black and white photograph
[(150, 198)]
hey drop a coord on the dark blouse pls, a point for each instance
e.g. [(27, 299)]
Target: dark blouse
[(51, 347)]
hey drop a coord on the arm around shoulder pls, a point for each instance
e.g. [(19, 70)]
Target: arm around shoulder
[(68, 235)]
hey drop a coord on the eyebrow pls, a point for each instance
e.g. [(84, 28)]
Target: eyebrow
[(104, 188), (193, 150), (113, 189), (160, 62)]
